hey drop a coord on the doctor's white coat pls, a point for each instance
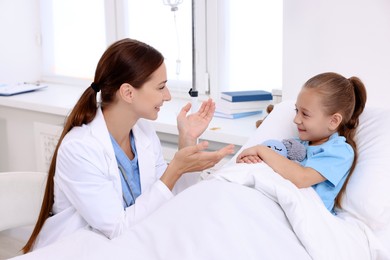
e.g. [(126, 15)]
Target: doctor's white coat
[(88, 192)]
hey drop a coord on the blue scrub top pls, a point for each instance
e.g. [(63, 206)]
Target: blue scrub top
[(128, 171), (333, 160)]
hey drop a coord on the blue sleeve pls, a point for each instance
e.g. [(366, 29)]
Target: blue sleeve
[(333, 161)]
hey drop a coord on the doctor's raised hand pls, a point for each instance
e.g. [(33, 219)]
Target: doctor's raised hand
[(108, 172), (192, 126)]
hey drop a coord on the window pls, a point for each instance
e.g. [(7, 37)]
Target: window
[(250, 45), (169, 32), (238, 44), (72, 47)]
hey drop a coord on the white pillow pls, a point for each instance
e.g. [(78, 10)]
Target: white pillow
[(367, 195), (277, 125)]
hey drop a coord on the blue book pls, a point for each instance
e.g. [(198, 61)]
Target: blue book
[(237, 115), (248, 95)]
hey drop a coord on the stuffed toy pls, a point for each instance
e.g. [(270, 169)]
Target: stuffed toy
[(268, 110), (290, 148)]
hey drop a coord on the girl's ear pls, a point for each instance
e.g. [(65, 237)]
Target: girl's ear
[(126, 92), (335, 121)]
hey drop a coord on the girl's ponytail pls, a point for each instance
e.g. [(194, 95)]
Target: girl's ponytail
[(349, 128)]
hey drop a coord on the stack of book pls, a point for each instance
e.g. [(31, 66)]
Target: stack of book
[(237, 104)]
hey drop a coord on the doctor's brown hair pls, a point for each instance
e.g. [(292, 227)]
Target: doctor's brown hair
[(125, 61), (347, 97)]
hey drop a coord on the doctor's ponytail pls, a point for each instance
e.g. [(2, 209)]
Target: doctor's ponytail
[(83, 113)]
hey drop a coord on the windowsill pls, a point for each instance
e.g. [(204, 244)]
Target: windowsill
[(55, 99), (59, 99)]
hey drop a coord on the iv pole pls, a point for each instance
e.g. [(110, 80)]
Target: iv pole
[(193, 92)]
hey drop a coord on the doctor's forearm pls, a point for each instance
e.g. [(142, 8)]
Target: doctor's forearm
[(170, 176), (185, 140)]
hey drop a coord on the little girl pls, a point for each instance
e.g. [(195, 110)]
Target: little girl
[(327, 115)]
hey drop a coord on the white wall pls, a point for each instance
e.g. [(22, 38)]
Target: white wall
[(20, 56), (351, 37)]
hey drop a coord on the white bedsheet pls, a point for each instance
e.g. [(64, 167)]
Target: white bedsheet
[(241, 212), (324, 235)]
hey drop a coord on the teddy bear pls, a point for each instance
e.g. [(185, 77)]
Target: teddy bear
[(290, 148), (268, 110)]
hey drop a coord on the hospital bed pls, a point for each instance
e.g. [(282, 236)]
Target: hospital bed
[(244, 211)]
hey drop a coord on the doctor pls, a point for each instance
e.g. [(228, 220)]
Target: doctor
[(108, 172)]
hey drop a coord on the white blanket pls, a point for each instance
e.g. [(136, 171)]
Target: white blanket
[(241, 212), (324, 235)]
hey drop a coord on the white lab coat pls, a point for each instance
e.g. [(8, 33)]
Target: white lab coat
[(87, 190)]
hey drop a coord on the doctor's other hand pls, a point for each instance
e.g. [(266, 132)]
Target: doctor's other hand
[(191, 126), (193, 158)]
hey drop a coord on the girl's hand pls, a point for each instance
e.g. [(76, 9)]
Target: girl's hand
[(249, 155), (193, 125), (249, 159)]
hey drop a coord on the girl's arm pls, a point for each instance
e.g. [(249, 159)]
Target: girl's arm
[(301, 176)]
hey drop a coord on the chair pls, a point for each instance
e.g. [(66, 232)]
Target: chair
[(21, 195)]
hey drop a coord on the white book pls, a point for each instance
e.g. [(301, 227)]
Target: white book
[(236, 115), (14, 89), (240, 107), (236, 111)]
